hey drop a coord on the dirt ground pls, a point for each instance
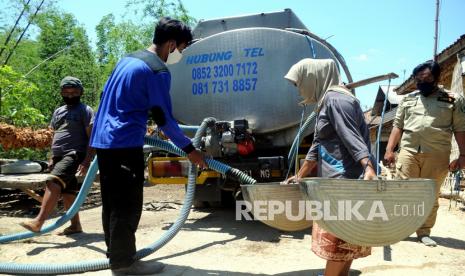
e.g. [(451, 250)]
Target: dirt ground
[(212, 242)]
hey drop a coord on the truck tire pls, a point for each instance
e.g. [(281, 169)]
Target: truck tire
[(199, 204)]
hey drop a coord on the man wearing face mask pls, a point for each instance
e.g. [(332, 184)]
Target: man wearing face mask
[(424, 123), (139, 83), (72, 124)]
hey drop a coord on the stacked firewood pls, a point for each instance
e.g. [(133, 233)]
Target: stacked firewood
[(12, 137)]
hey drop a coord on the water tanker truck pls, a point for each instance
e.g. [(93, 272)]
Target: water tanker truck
[(234, 73)]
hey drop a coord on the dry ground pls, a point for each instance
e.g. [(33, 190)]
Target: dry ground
[(212, 242)]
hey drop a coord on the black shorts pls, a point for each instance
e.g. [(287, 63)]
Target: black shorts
[(64, 171)]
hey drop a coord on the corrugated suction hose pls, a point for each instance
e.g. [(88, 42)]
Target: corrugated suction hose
[(13, 268)]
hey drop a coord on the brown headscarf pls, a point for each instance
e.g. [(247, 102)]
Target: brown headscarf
[(313, 77)]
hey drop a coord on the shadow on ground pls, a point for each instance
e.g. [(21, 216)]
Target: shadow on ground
[(446, 242), (224, 221), (81, 240), (190, 271)]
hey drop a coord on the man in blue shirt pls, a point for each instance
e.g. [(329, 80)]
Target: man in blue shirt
[(139, 83)]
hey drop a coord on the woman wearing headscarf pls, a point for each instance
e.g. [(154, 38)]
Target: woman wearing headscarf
[(340, 148)]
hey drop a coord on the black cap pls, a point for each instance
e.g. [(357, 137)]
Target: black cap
[(71, 82)]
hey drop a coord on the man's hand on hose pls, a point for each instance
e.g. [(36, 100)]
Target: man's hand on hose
[(197, 158)]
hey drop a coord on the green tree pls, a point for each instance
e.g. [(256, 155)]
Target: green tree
[(116, 39), (152, 10), (26, 56), (13, 33), (17, 100), (60, 31)]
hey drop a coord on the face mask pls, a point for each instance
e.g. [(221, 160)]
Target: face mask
[(174, 57), (426, 88), (72, 100)]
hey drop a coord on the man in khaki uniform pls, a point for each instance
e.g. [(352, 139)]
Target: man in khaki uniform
[(424, 123)]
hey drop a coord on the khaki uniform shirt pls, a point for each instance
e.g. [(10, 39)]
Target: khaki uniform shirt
[(428, 122)]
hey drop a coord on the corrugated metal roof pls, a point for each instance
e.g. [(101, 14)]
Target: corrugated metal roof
[(367, 115), (388, 117), (393, 97)]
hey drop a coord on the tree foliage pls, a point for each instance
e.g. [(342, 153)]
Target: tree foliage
[(17, 97), (25, 13), (26, 56), (56, 45), (61, 32), (116, 39), (152, 10)]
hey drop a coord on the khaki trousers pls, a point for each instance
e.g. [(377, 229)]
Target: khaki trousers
[(424, 165)]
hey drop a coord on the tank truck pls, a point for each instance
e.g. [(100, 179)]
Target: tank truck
[(233, 72)]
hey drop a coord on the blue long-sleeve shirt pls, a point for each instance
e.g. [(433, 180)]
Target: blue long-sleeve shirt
[(133, 89)]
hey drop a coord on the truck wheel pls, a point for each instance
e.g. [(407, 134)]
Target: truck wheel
[(227, 199), (199, 204)]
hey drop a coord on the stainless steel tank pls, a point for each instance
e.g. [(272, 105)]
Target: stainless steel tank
[(239, 74)]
